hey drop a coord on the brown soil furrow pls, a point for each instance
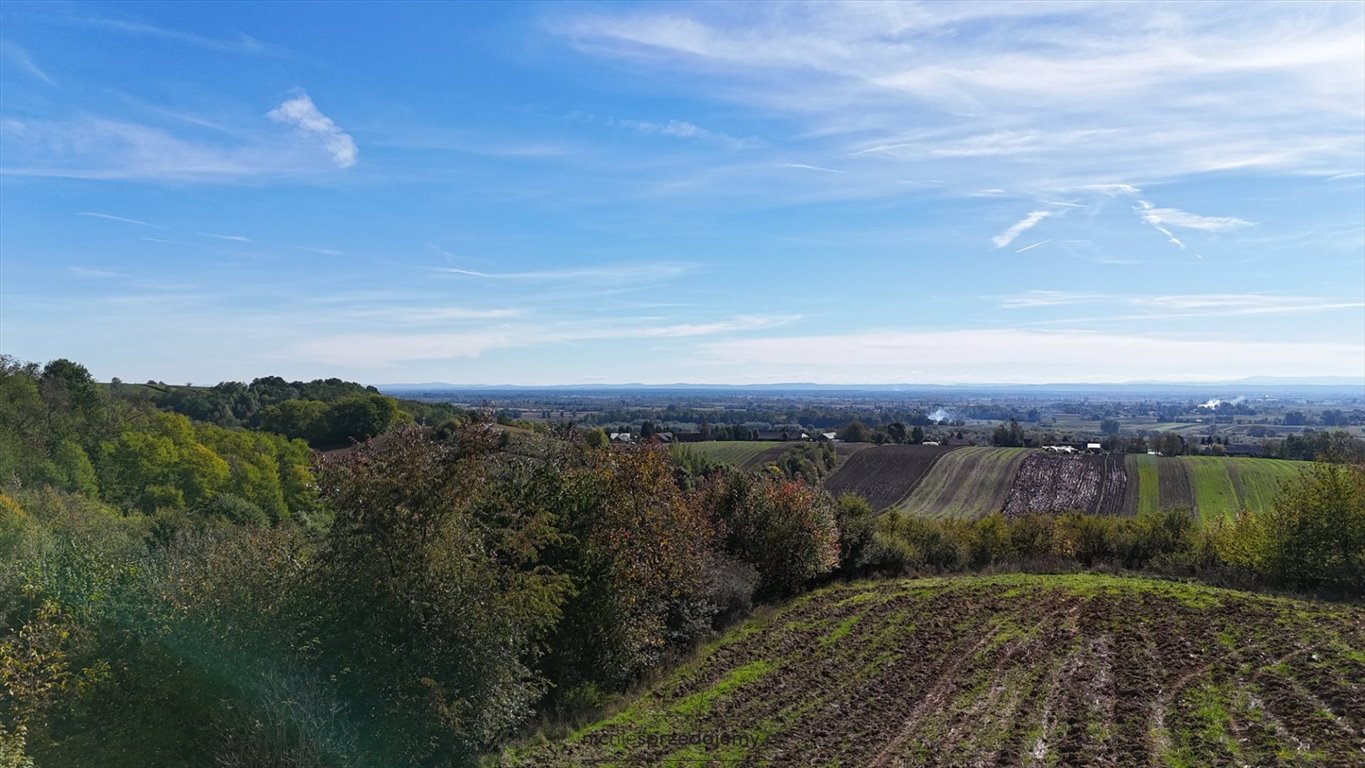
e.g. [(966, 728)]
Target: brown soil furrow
[(886, 474), (1173, 484)]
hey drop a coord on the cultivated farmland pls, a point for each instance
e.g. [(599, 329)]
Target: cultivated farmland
[(1004, 671), (1143, 493), (884, 474), (1046, 483), (1212, 485), (1222, 486), (967, 482)]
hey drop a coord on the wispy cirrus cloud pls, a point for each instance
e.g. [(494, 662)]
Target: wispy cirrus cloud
[(301, 113), (121, 219), (1163, 218), (809, 167), (376, 350), (1020, 227), (613, 273), (682, 129), (1179, 306), (1034, 245), (109, 149), (94, 272), (240, 43), (1029, 299), (1005, 355), (1017, 92), (21, 58), (233, 238)]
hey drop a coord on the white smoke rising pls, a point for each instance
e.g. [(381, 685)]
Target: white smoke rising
[(1215, 402), (940, 415)]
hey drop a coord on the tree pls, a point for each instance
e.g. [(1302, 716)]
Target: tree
[(786, 529), (1315, 533), (1110, 426), (855, 432), (917, 435), (431, 562), (896, 431), (1009, 435)]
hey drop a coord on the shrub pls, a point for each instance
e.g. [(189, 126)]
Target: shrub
[(786, 529)]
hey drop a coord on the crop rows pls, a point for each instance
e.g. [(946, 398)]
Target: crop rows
[(1046, 483), (968, 482), (1005, 671), (885, 474)]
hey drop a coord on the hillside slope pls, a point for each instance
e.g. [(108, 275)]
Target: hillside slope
[(968, 482), (885, 474), (1008, 671)]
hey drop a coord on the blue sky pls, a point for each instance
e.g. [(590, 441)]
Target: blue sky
[(573, 193)]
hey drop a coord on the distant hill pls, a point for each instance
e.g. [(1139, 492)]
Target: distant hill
[(1006, 670)]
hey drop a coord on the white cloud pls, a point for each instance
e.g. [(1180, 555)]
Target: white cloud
[(381, 350), (1034, 245), (807, 167), (1179, 306), (111, 217), (1175, 217), (1029, 299), (1028, 222), (301, 113), (612, 273), (233, 238), (20, 57), (683, 130), (1022, 356), (102, 149), (95, 273), (1161, 219), (322, 251), (1017, 95)]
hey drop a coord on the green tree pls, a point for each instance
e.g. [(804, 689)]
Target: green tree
[(855, 432)]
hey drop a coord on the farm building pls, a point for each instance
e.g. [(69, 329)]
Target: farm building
[(621, 437), (1059, 448), (1094, 447)]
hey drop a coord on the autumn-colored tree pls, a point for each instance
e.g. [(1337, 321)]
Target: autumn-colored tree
[(786, 529)]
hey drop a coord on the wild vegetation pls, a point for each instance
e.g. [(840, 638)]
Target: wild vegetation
[(181, 593)]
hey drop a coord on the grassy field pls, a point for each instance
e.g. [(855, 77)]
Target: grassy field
[(1143, 484), (1222, 486), (968, 482), (1016, 670), (736, 453)]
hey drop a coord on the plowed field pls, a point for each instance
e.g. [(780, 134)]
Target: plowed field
[(884, 474), (1004, 671), (968, 482), (1047, 483)]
